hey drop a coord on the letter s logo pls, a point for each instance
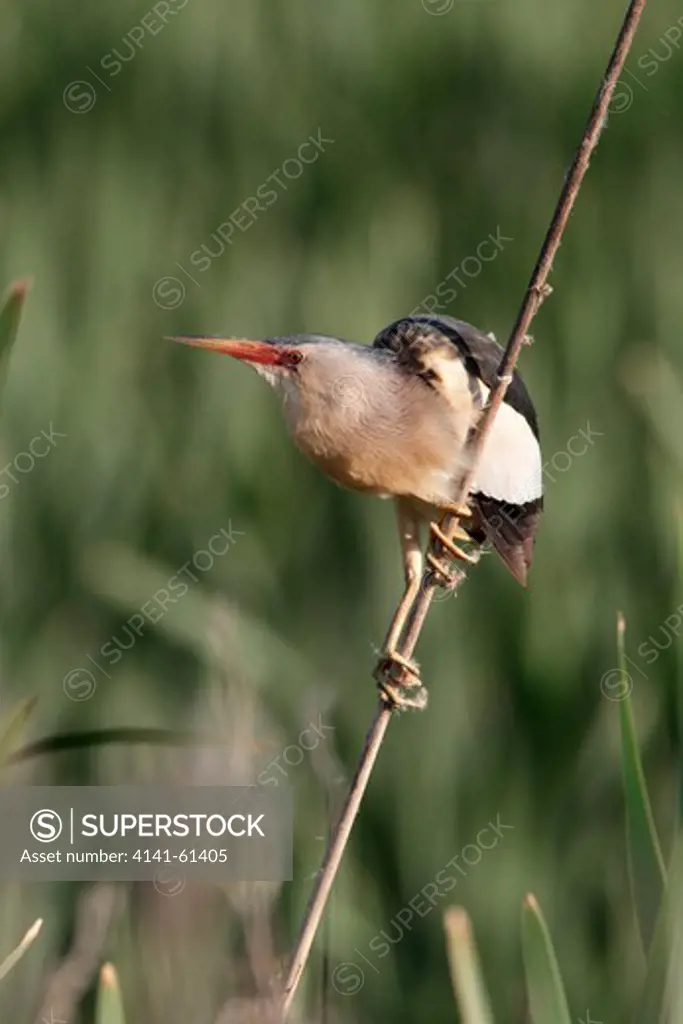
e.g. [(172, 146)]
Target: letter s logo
[(46, 826)]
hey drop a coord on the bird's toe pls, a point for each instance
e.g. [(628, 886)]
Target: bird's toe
[(399, 683)]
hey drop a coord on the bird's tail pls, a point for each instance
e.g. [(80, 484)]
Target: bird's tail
[(511, 529)]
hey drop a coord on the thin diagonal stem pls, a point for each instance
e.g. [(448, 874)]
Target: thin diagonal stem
[(535, 293), (334, 853)]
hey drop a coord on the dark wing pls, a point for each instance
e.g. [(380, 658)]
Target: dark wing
[(482, 354), (510, 526)]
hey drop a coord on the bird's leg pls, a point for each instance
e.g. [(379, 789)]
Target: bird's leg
[(445, 575), (398, 677)]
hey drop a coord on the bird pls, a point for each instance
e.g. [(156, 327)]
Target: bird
[(392, 419)]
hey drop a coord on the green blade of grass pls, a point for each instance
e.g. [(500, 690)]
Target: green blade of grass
[(651, 999), (645, 862), (109, 1002), (664, 954), (15, 956), (468, 983), (12, 730), (10, 315), (679, 687), (674, 990), (545, 990), (61, 742)]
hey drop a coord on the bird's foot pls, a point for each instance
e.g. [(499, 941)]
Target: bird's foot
[(448, 577), (399, 683), (448, 544), (445, 575)]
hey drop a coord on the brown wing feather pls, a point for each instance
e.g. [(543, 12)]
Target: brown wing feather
[(511, 529)]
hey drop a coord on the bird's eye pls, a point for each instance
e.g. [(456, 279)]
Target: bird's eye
[(293, 358), (428, 376)]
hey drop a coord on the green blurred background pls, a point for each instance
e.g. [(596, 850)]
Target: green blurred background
[(449, 121)]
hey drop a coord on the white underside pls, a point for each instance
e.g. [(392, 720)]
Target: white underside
[(510, 468)]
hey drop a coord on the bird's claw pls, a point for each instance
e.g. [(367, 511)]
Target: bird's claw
[(399, 697), (447, 543), (399, 683), (448, 577)]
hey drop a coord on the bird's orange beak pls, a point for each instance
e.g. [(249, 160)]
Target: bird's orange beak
[(249, 351)]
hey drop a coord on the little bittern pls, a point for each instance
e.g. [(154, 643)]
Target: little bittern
[(392, 419)]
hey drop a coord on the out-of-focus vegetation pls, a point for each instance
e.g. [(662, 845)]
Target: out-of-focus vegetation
[(124, 149)]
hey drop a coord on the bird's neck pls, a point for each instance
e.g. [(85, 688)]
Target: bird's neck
[(340, 406)]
